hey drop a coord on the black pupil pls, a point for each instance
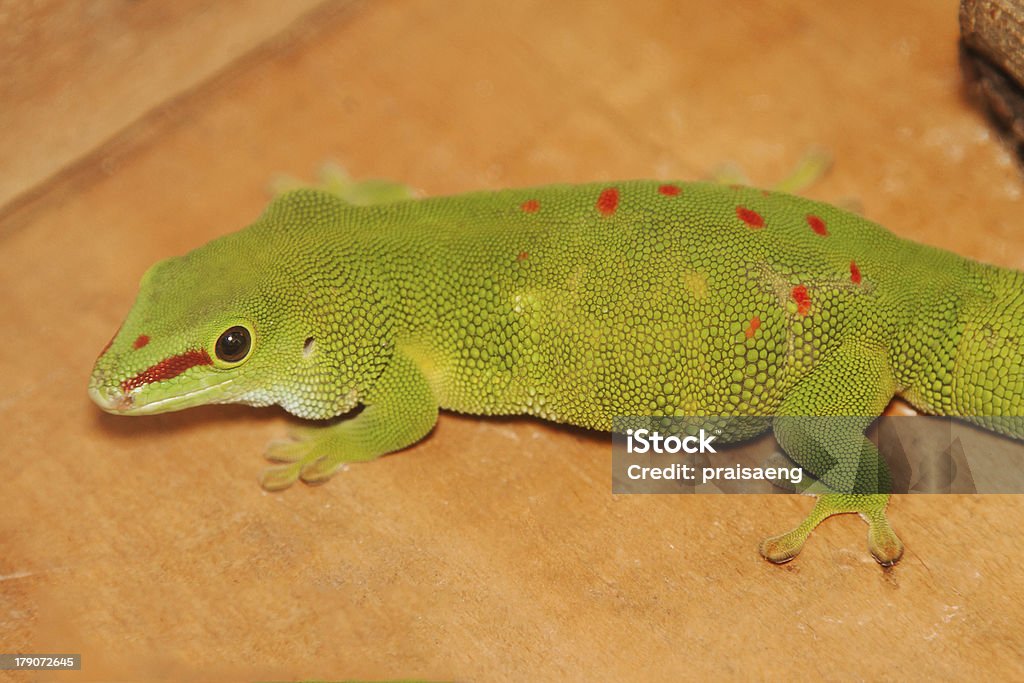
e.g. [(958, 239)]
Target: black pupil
[(233, 344)]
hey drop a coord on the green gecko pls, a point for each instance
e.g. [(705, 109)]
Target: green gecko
[(575, 304)]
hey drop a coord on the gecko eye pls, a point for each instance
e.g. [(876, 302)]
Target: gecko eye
[(234, 344)]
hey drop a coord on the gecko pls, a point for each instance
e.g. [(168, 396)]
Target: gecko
[(576, 304)]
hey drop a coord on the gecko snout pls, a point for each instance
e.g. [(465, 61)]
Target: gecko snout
[(110, 399)]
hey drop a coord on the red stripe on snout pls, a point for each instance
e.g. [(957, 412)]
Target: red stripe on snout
[(166, 369)]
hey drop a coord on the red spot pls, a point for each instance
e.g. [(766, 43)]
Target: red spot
[(817, 225), (854, 273), (140, 341), (669, 190), (802, 299), (750, 217), (522, 256), (608, 201), (755, 323), (166, 369), (530, 205)]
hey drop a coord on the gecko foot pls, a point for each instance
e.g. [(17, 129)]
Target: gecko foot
[(883, 543), (279, 478), (336, 180), (295, 447), (814, 164), (781, 549), (312, 454), (308, 459)]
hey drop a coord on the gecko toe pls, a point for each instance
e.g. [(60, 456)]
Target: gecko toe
[(782, 549), (279, 478), (883, 543), (286, 450), (320, 470)]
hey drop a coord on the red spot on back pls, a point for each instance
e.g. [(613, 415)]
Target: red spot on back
[(750, 217), (755, 324), (802, 299), (522, 256), (608, 202), (817, 225), (669, 190), (167, 368), (530, 205), (854, 273), (140, 341)]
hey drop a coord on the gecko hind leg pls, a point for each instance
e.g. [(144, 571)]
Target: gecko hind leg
[(335, 179), (811, 167), (820, 426)]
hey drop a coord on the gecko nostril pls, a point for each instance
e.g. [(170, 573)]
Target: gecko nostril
[(307, 349)]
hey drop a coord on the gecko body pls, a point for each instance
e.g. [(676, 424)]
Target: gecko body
[(575, 304)]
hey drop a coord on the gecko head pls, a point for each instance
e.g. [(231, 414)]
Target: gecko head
[(245, 319)]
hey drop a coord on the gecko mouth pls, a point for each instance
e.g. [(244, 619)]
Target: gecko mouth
[(116, 400)]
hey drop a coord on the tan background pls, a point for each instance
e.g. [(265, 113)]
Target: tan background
[(494, 550)]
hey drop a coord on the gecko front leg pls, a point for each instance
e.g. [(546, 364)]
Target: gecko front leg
[(400, 410)]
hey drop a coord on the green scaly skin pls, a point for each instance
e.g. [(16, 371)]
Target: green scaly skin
[(576, 304)]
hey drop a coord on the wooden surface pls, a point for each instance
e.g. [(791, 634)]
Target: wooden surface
[(494, 550), (75, 73)]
